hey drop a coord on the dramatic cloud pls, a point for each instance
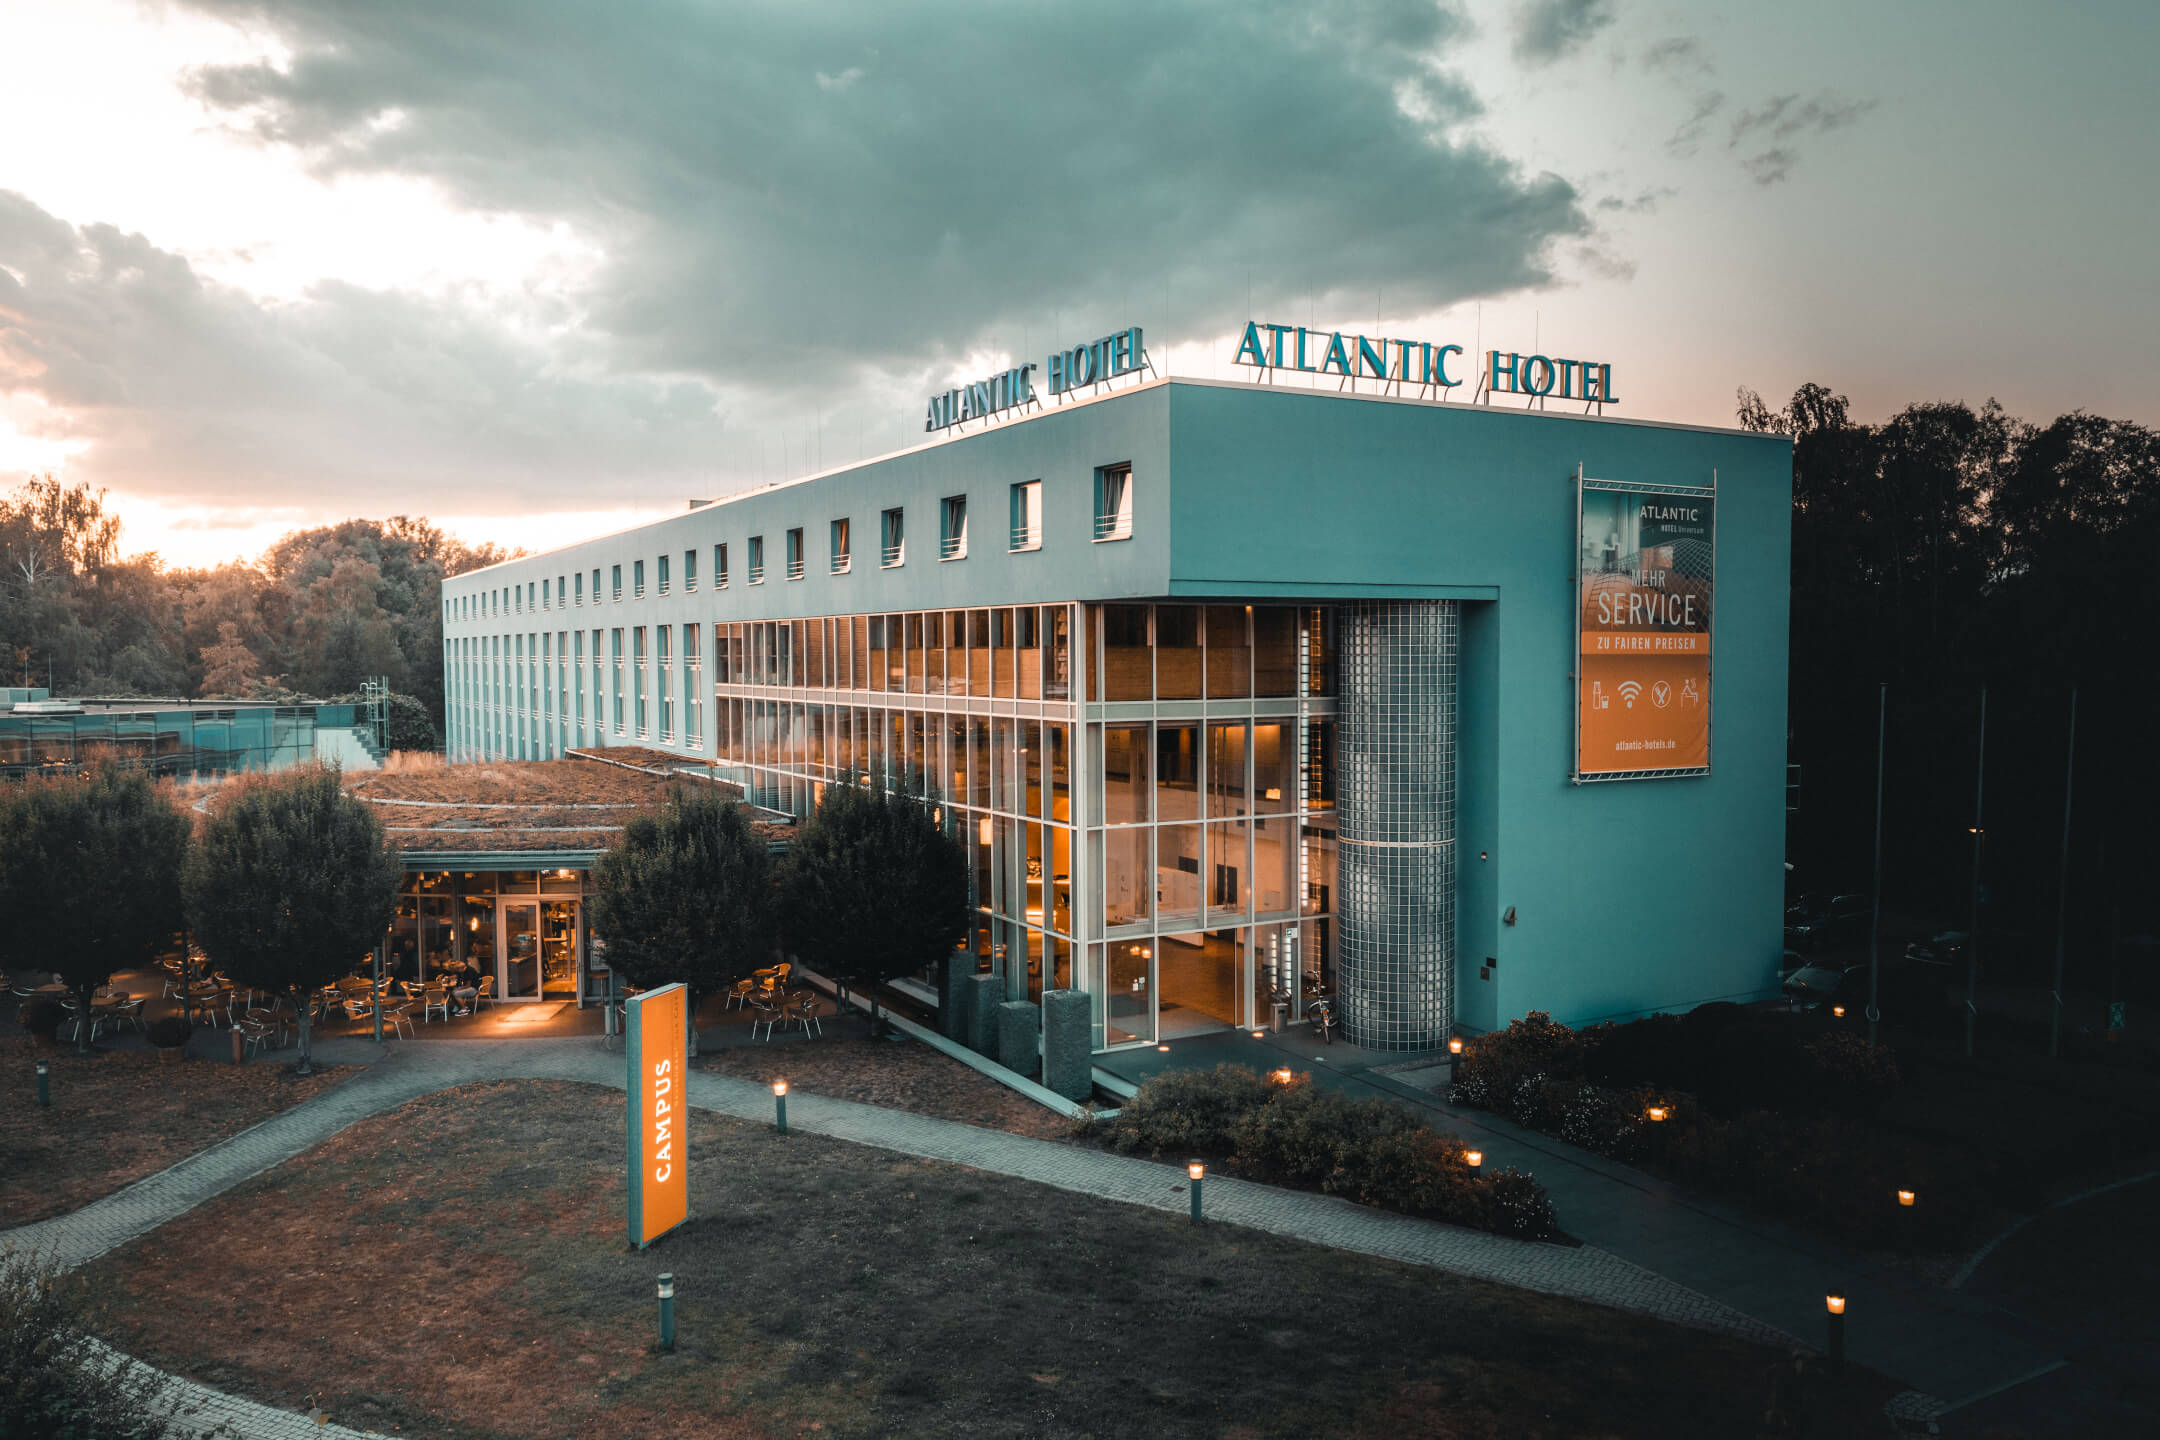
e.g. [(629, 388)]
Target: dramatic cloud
[(793, 192), (347, 397), (1548, 30)]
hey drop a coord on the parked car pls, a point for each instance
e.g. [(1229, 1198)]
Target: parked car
[(1943, 949), (1815, 922), (1905, 993)]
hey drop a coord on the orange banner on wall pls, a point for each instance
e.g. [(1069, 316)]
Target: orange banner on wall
[(658, 1049), (1646, 577)]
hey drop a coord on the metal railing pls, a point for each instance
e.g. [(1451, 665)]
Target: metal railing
[(1113, 527), (757, 574), (794, 569), (842, 563), (1027, 537), (952, 547), (893, 555)]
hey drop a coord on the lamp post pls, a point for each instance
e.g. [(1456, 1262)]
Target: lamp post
[(779, 1100), (1979, 834), (1196, 1172), (1475, 1159), (44, 1081), (1874, 934), (2062, 884), (1835, 1305), (667, 1310)]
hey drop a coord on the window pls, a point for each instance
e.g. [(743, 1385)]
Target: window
[(952, 528), (757, 559), (547, 600), (842, 559), (1027, 515), (532, 601), (581, 587), (615, 577), (795, 553), (596, 585), (615, 653), (693, 687), (1113, 502), (689, 570), (665, 676), (662, 577), (562, 590), (719, 567), (892, 538), (517, 596), (637, 579), (637, 676)]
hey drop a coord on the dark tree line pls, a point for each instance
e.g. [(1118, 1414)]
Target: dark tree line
[(317, 613), (1949, 548)]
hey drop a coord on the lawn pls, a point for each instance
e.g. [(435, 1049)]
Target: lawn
[(119, 1115), (899, 1074), (457, 1268)]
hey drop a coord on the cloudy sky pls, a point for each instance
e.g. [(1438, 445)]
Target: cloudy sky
[(530, 265)]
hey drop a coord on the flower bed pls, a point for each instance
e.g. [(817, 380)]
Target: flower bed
[(1371, 1151), (1768, 1109)]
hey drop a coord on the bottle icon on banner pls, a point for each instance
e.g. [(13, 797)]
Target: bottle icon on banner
[(1599, 700)]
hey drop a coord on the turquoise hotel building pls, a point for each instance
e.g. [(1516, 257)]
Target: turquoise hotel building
[(1237, 695)]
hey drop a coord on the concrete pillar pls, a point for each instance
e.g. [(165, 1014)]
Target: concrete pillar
[(1068, 1058), (952, 995), (1019, 1036), (984, 994)]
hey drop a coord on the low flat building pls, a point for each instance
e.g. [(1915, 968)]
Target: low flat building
[(1236, 696)]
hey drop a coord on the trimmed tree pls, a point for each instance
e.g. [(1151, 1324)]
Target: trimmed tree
[(872, 889), (89, 876), (290, 884), (686, 896)]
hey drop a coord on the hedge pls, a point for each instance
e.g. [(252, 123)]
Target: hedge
[(1368, 1150)]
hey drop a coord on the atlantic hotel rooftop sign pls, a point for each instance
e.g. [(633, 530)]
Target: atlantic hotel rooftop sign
[(1277, 349)]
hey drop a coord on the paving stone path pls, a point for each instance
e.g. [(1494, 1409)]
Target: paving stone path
[(414, 1069)]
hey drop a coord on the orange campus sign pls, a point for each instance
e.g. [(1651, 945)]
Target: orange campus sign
[(1646, 571), (659, 1159)]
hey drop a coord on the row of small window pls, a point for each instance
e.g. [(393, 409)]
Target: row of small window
[(547, 676), (1113, 521)]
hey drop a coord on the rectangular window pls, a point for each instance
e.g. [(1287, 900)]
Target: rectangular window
[(637, 579), (1113, 502), (842, 559), (615, 576), (892, 538), (662, 577), (581, 587), (693, 688), (1027, 515), (664, 676), (596, 677), (517, 600), (637, 677), (615, 652), (795, 553), (719, 567), (952, 528), (577, 673), (547, 600), (689, 570), (757, 559)]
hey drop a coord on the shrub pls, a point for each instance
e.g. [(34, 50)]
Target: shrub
[(54, 1379), (42, 1017), (1520, 1207), (170, 1032), (1189, 1111), (1848, 1074)]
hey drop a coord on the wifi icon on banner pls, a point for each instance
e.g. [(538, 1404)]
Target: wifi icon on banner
[(1630, 691)]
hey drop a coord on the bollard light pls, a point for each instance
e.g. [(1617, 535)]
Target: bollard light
[(1659, 1113), (1197, 1172), (1283, 1076), (44, 1081), (1905, 1198), (1475, 1159), (1837, 1011), (1259, 1034), (779, 1100), (667, 1310), (1164, 1048), (1454, 1045), (1835, 1304)]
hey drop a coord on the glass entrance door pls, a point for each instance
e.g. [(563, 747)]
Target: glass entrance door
[(520, 973), (558, 949)]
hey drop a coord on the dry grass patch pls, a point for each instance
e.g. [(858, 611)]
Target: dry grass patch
[(119, 1115), (898, 1074), (457, 1268)]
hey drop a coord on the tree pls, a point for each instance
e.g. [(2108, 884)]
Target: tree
[(229, 667), (290, 884), (686, 896), (89, 875), (871, 888)]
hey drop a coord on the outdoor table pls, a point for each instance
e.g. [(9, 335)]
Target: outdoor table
[(55, 988)]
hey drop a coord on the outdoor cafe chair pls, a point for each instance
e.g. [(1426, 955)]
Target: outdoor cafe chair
[(436, 997), (766, 1013), (803, 1010), (254, 1034), (129, 1012), (484, 993), (397, 1019), (739, 997)]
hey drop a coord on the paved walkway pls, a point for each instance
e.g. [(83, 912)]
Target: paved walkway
[(413, 1069)]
